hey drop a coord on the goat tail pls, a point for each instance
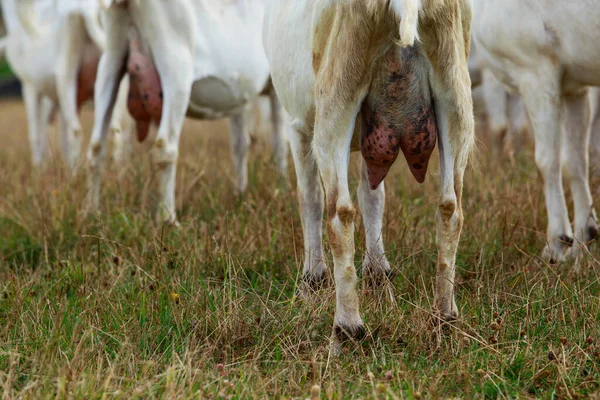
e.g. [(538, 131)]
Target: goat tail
[(407, 11)]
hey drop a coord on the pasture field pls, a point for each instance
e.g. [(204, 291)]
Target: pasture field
[(115, 306)]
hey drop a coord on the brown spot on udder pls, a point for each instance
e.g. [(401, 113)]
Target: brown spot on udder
[(86, 77)]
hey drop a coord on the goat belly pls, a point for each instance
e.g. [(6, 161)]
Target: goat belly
[(397, 114), (145, 99)]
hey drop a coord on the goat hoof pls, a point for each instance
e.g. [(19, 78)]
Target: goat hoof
[(566, 240), (446, 312), (592, 233), (346, 332), (558, 249)]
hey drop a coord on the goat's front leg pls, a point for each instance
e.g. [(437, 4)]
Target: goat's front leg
[(372, 205), (575, 158), (450, 83), (541, 94), (240, 142), (331, 146), (110, 72)]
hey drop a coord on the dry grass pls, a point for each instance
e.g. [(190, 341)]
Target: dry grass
[(115, 306)]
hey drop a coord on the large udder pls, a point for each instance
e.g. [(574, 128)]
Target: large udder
[(145, 99), (398, 114), (86, 77)]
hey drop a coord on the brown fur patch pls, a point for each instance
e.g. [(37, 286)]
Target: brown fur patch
[(346, 214), (447, 209)]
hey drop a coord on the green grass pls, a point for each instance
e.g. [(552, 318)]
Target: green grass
[(116, 306), (5, 71)]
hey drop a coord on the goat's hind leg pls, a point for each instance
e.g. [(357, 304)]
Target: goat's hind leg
[(121, 128), (450, 85), (376, 267), (575, 157), (175, 68), (110, 72), (310, 201), (279, 142), (331, 146)]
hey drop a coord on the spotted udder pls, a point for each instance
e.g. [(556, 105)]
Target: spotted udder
[(86, 76), (145, 98), (398, 114)]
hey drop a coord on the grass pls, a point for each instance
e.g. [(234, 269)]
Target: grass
[(5, 71), (116, 306)]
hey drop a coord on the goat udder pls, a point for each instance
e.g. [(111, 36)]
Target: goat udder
[(145, 100), (86, 79)]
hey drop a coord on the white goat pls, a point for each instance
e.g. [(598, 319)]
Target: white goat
[(340, 74), (55, 59), (203, 59), (548, 52)]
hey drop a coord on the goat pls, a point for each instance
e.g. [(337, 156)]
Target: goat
[(55, 59), (200, 59), (548, 53), (342, 75)]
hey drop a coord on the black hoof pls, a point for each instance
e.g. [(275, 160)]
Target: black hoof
[(592, 233), (566, 240), (344, 333)]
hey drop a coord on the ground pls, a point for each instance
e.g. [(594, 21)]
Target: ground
[(116, 306)]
